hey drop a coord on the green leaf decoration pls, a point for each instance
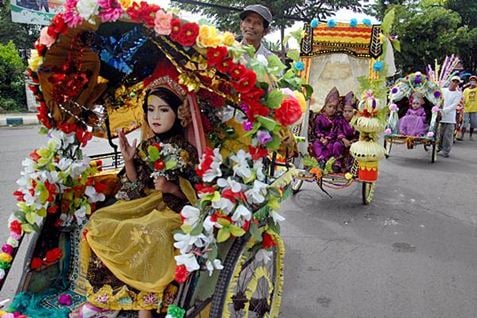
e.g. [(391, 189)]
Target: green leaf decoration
[(197, 229), (28, 228), (30, 218), (236, 231), (223, 235), (388, 21), (171, 164), (250, 50), (298, 35), (275, 143), (256, 232), (396, 45), (275, 66), (274, 99), (310, 162), (154, 153), (213, 253), (293, 54), (268, 123), (260, 70)]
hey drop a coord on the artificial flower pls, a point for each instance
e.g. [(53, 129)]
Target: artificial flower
[(7, 248), (353, 22), (181, 274), (430, 134), (188, 260), (208, 37), (36, 263), (87, 8), (246, 82), (7, 258), (111, 10), (57, 26), (263, 137), (257, 193), (229, 183), (215, 55), (65, 300), (175, 29), (299, 66), (225, 66), (247, 125), (388, 131), (15, 227), (393, 107), (228, 39), (268, 241), (367, 22), (53, 255), (257, 153), (190, 215), (215, 264), (224, 204), (378, 66), (80, 215), (435, 109), (259, 168), (162, 23), (93, 195), (184, 242), (241, 213), (241, 166), (289, 111), (174, 311), (35, 60), (143, 12), (45, 38), (331, 23), (209, 223), (314, 23), (276, 217), (188, 34)]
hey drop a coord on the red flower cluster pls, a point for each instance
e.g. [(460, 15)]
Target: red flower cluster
[(216, 55), (143, 12), (53, 255), (16, 227), (181, 274), (205, 163), (268, 241), (43, 115), (289, 111), (83, 135), (184, 34), (257, 152)]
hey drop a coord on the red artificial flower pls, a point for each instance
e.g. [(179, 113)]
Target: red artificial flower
[(40, 48), (159, 165), (246, 226), (181, 274), (228, 194), (253, 95), (188, 34), (16, 227), (57, 26), (143, 12), (19, 195), (67, 128), (205, 163), (36, 263), (213, 99), (52, 209), (157, 146), (268, 241), (237, 70), (216, 55), (100, 187), (43, 115), (83, 136), (202, 188), (51, 188), (175, 29), (53, 255), (246, 82), (257, 152), (225, 66), (289, 111), (34, 155), (256, 109)]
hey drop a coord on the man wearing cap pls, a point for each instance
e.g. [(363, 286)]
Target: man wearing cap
[(470, 107), (254, 25), (452, 97)]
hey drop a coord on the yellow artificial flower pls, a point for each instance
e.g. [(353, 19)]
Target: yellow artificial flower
[(6, 258), (228, 39), (35, 60), (208, 37), (301, 100), (125, 3)]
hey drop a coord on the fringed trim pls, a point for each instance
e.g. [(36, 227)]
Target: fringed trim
[(124, 299)]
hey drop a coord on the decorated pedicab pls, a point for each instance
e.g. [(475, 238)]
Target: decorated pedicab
[(94, 71), (414, 103), (352, 58)]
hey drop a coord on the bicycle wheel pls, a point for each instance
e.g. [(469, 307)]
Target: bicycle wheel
[(367, 192), (387, 147), (249, 286)]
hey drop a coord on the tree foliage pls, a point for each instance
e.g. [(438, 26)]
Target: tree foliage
[(12, 85), (23, 35)]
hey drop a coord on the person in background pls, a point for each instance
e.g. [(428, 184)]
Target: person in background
[(452, 97), (254, 25), (470, 108)]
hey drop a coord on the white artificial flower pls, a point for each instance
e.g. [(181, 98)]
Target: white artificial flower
[(184, 242), (64, 164), (87, 8), (80, 215), (241, 167), (264, 256), (215, 264), (259, 168), (93, 195), (223, 204), (276, 217), (188, 260), (191, 215), (28, 166), (78, 167), (241, 213), (229, 183), (208, 224), (257, 193)]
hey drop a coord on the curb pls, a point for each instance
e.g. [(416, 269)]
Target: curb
[(18, 120)]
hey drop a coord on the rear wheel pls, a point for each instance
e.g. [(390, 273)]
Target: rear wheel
[(249, 286), (367, 192), (387, 147), (297, 183)]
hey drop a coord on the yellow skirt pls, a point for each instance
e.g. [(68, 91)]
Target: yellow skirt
[(134, 240)]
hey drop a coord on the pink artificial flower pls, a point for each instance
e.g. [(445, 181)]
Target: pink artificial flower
[(162, 23), (72, 19), (388, 131), (430, 134), (70, 4), (110, 10), (15, 236), (45, 38)]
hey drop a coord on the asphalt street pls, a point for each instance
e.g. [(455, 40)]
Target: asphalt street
[(411, 253)]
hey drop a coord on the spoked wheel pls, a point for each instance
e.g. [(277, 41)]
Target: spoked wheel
[(387, 147), (249, 286), (297, 183), (367, 191), (434, 152)]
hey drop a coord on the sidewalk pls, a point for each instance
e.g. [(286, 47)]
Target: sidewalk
[(16, 119)]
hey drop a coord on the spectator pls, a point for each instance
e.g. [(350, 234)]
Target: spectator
[(470, 107), (254, 25), (452, 97)]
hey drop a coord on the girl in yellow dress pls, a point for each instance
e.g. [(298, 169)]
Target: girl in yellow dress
[(127, 254)]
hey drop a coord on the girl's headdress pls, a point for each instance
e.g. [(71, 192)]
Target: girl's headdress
[(333, 97)]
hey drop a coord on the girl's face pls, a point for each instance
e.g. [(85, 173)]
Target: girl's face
[(417, 103), (330, 110), (160, 115), (348, 112)]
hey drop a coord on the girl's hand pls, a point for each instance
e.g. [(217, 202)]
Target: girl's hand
[(127, 150), (324, 141), (346, 142), (161, 184)]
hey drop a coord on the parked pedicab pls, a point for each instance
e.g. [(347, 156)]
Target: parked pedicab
[(91, 72), (349, 57), (414, 108)]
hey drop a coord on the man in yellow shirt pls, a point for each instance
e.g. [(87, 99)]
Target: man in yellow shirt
[(470, 107)]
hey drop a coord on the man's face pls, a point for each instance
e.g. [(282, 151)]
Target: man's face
[(454, 84), (473, 83), (252, 28)]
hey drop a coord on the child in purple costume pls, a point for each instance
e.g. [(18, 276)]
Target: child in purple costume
[(346, 134), (414, 122), (326, 144)]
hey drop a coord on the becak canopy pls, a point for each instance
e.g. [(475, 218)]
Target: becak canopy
[(91, 63)]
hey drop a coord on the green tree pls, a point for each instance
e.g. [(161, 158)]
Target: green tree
[(467, 10), (379, 8), (12, 85), (285, 12)]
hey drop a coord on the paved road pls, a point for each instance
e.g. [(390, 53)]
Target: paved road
[(412, 253)]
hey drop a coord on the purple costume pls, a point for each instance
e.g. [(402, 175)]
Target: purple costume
[(325, 128), (413, 123), (344, 130)]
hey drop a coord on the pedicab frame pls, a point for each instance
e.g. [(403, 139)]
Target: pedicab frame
[(246, 284)]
